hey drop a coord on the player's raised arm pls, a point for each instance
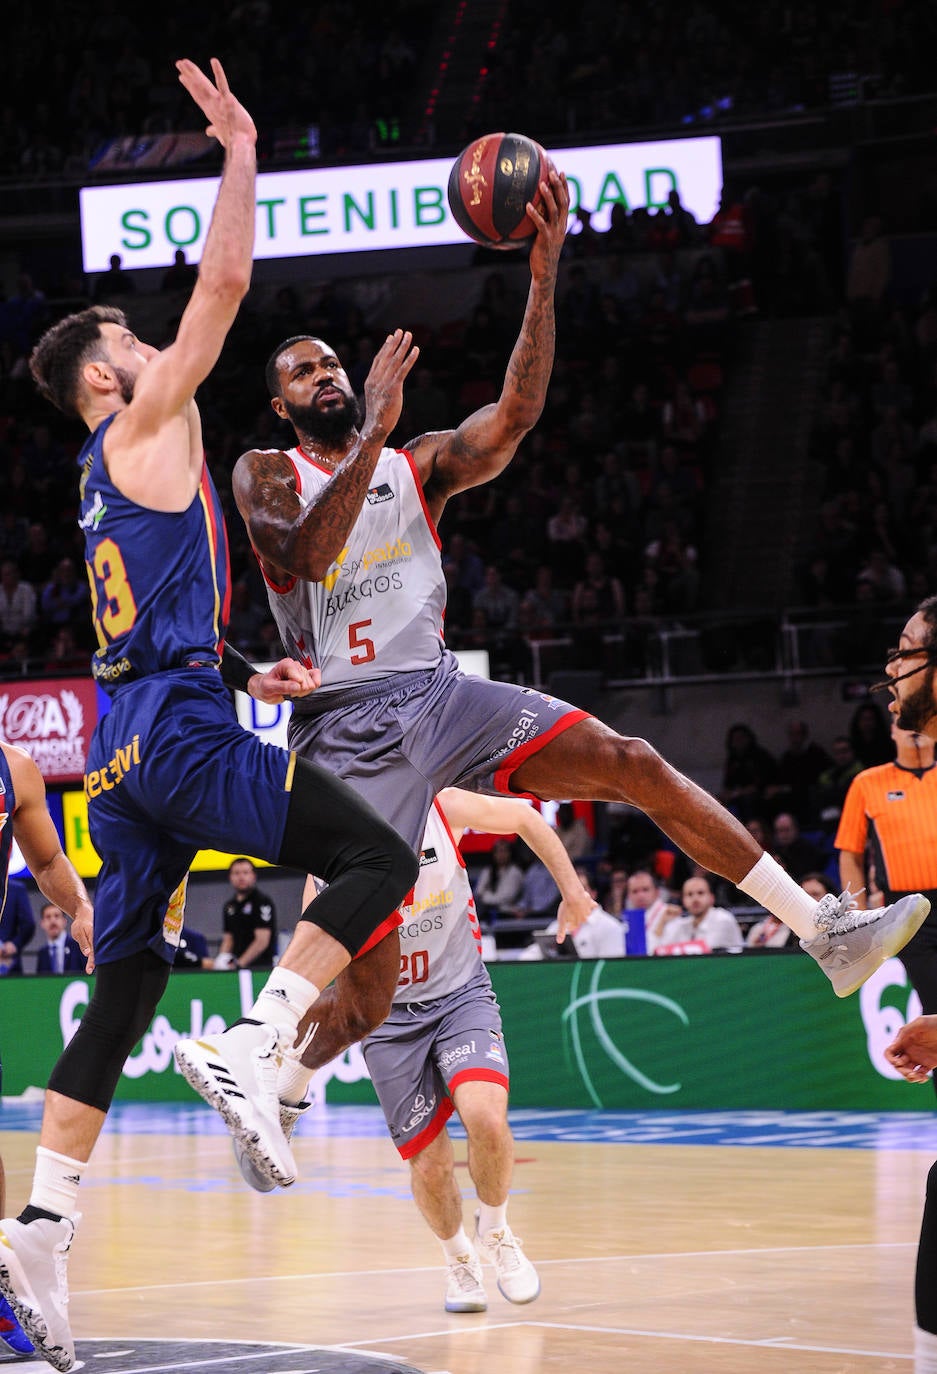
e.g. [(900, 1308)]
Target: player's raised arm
[(511, 816), (485, 442), (224, 272), (141, 457)]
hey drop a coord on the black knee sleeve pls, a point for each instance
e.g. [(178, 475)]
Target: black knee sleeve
[(336, 835), (126, 994)]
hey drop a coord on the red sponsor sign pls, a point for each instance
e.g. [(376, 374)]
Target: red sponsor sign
[(52, 720), (684, 947)]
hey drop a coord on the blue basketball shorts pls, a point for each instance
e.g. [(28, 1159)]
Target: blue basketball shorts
[(170, 771)]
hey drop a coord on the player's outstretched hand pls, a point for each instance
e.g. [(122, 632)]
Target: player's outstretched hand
[(383, 386), (227, 117), (284, 681), (550, 220), (573, 911), (913, 1052)]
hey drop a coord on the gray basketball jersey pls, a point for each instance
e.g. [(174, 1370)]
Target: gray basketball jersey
[(440, 939), (379, 609)]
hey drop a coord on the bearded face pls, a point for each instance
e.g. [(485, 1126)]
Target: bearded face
[(126, 381), (917, 708), (328, 424)]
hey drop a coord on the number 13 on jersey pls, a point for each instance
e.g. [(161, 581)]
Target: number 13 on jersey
[(114, 609)]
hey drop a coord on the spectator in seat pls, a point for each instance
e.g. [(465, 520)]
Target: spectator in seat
[(793, 850), (499, 889), (748, 775), (702, 919), (17, 604)]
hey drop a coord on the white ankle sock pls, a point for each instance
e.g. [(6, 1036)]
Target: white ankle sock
[(457, 1246), (925, 1351), (55, 1182), (283, 1000), (492, 1218), (776, 891)]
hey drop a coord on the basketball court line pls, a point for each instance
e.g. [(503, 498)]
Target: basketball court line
[(770, 1343), (231, 1281)]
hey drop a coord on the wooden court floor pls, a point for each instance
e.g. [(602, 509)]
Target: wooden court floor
[(709, 1259)]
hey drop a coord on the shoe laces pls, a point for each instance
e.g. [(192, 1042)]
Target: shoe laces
[(460, 1270), (297, 1051), (838, 915), (506, 1247)]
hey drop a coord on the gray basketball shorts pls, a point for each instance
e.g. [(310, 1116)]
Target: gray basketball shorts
[(402, 739), (424, 1050)]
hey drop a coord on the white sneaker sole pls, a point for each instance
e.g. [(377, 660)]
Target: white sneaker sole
[(13, 1283), (518, 1302), (460, 1305), (195, 1071)]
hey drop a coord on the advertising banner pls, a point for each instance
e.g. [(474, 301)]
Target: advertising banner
[(712, 1032), (53, 720), (378, 205)]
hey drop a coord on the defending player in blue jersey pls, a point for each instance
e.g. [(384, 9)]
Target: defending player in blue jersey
[(23, 815), (169, 768)]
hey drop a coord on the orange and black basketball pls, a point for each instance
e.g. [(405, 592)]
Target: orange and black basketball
[(490, 184)]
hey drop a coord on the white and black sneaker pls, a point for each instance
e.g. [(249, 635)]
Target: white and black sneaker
[(258, 1181), (236, 1073), (33, 1279)]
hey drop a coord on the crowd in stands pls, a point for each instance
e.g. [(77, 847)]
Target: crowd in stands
[(363, 77), (874, 449)]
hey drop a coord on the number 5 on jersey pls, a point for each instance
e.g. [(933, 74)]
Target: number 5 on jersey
[(362, 648)]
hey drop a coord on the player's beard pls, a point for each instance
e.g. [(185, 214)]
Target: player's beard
[(126, 381), (327, 426), (918, 709)]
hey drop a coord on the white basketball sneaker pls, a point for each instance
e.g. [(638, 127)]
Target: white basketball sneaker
[(518, 1280), (258, 1181), (465, 1291), (236, 1073), (851, 944), (34, 1281)]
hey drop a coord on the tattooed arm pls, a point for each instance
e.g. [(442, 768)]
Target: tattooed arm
[(293, 540), (485, 443)]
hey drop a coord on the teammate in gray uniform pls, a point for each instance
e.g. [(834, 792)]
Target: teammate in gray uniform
[(348, 546), (441, 1048)]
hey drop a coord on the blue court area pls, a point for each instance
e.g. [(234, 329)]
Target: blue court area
[(813, 1130)]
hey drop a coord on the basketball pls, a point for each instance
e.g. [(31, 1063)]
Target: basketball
[(489, 186)]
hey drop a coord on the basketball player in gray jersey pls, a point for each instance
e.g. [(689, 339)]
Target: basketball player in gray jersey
[(442, 1048), (346, 538)]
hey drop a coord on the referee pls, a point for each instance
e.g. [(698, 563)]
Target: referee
[(889, 821)]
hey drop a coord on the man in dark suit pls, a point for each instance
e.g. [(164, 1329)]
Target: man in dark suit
[(17, 926), (60, 953)]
